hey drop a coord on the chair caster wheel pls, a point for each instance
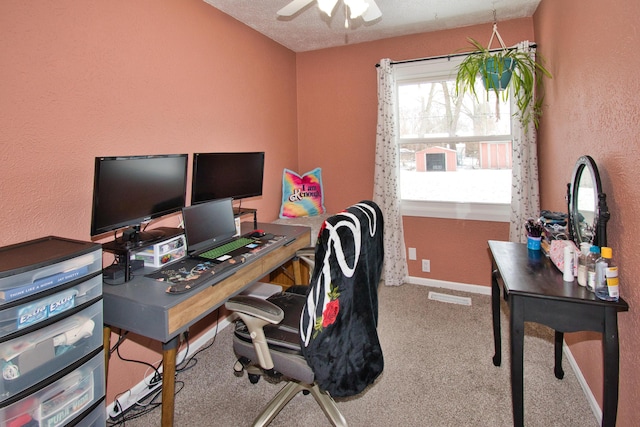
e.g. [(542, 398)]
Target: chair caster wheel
[(238, 369), (253, 378)]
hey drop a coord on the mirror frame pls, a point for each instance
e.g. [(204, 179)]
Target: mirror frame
[(601, 214)]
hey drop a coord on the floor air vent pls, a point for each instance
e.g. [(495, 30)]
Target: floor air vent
[(452, 299)]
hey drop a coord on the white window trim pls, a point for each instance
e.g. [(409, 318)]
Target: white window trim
[(497, 212)]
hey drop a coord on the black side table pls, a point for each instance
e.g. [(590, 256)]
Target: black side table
[(535, 292)]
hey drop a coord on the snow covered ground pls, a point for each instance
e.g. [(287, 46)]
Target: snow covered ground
[(463, 185)]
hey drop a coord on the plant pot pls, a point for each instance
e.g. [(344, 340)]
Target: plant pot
[(496, 73)]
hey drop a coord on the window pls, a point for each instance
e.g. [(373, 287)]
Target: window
[(455, 153)]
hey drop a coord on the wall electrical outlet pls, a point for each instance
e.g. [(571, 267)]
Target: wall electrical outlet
[(412, 254), (426, 265)]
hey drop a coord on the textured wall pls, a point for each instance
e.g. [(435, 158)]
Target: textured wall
[(337, 115), (120, 78), (100, 78), (592, 108)]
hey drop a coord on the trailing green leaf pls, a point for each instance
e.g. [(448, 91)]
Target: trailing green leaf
[(526, 80)]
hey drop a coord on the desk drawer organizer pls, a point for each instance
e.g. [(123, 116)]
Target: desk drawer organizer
[(162, 253), (51, 319)]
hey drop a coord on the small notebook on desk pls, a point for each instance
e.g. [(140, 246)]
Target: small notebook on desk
[(210, 230)]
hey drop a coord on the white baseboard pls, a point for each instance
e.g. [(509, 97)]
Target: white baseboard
[(454, 286), (595, 408), (486, 290), (129, 398)]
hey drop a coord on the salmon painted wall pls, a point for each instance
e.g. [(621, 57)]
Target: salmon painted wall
[(592, 108), (86, 79), (337, 114)]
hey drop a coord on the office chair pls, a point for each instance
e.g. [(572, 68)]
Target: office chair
[(323, 342)]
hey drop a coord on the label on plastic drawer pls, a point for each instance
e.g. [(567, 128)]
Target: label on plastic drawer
[(44, 308), (68, 401)]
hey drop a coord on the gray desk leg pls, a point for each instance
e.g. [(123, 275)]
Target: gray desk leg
[(557, 370), (516, 308), (611, 367), (495, 311), (169, 351)]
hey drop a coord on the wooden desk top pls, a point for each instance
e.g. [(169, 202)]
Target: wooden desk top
[(142, 305)]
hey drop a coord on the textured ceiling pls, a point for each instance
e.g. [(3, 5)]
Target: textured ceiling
[(311, 29)]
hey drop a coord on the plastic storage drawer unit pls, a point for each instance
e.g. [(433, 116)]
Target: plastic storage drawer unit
[(32, 357), (162, 253), (96, 418), (73, 396), (17, 317), (36, 266)]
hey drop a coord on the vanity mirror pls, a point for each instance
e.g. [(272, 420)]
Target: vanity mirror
[(588, 212)]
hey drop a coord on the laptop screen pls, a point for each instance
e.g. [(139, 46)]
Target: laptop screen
[(207, 225)]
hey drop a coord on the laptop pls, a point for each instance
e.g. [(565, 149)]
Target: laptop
[(210, 225)]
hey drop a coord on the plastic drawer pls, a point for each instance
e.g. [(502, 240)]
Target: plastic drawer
[(62, 401), (19, 317), (162, 253), (32, 357), (96, 418), (23, 281)]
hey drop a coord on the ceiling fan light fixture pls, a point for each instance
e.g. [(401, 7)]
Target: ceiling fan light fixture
[(327, 6), (356, 7)]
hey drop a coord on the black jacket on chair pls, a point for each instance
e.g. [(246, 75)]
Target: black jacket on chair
[(338, 332)]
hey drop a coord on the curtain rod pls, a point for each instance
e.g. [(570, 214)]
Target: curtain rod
[(406, 61)]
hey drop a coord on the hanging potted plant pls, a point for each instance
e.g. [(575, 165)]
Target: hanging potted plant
[(502, 71)]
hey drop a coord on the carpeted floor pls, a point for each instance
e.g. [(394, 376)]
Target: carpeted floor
[(438, 372)]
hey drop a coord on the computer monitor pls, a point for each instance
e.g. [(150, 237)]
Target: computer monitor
[(131, 190), (222, 175)]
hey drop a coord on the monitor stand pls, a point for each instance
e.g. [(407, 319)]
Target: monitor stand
[(133, 237), (137, 240), (240, 211)]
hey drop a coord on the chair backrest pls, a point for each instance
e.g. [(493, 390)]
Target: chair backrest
[(338, 324)]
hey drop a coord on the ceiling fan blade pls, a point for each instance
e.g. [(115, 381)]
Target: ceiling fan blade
[(294, 7), (372, 13)]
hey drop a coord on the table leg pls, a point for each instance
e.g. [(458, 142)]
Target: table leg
[(169, 351), (106, 344), (516, 308), (297, 274), (495, 311), (559, 339), (611, 367)]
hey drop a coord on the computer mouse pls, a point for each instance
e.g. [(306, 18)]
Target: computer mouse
[(257, 233)]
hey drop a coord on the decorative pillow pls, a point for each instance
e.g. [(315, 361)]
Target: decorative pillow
[(302, 195)]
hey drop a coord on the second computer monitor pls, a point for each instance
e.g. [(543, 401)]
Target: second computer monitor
[(221, 175)]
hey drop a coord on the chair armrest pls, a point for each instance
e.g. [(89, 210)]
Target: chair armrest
[(256, 313), (307, 255), (255, 307)]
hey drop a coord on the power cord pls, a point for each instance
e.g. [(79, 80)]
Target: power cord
[(150, 402)]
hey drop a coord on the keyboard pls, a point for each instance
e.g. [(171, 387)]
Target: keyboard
[(226, 248)]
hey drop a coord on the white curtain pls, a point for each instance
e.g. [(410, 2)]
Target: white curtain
[(386, 189), (525, 195)]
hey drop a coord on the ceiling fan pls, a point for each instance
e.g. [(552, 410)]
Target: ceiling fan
[(367, 9)]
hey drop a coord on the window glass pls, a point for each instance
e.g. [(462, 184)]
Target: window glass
[(452, 149)]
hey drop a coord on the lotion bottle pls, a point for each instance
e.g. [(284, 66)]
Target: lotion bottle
[(582, 263), (567, 275)]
